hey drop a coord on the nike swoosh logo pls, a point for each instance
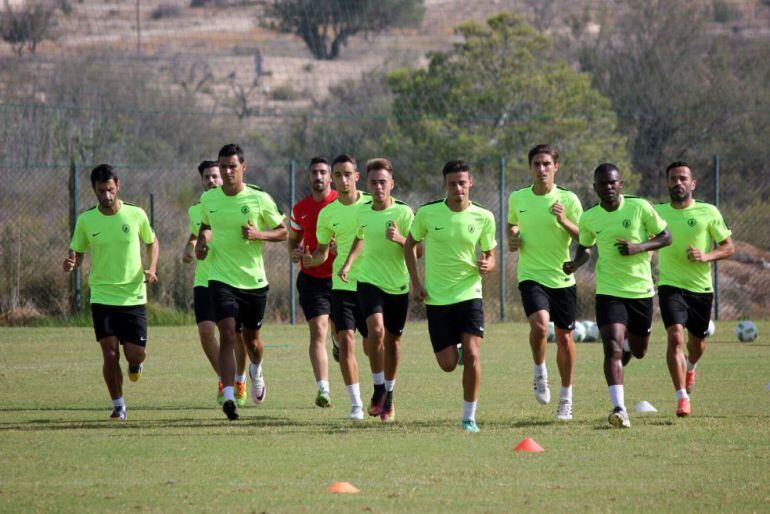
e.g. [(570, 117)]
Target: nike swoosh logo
[(95, 234), (599, 231), (363, 226), (212, 211), (438, 228), (525, 210), (335, 224)]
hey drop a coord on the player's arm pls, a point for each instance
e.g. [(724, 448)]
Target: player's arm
[(582, 254), (294, 245), (514, 240), (316, 258), (487, 261), (723, 250), (188, 252), (660, 240), (153, 251), (276, 235), (355, 249), (560, 212), (411, 254), (202, 244), (73, 261)]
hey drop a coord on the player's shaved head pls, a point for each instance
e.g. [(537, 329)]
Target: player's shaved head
[(605, 168)]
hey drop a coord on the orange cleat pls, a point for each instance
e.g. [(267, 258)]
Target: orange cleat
[(683, 408), (689, 381)]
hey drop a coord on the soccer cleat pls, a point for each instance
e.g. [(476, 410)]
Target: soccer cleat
[(377, 402), (258, 387), (542, 392), (230, 410), (626, 357), (118, 414), (388, 413), (619, 418), (220, 393), (564, 409), (335, 348), (322, 399), (469, 425), (689, 381), (240, 394), (135, 372), (356, 413), (683, 408)]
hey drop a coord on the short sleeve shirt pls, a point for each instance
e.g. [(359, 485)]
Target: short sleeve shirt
[(339, 222), (384, 265), (304, 220), (700, 225), (635, 220), (450, 239), (201, 267), (544, 242), (237, 261), (116, 275)]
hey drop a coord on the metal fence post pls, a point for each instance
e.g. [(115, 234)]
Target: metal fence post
[(152, 211), (715, 267), (75, 283), (501, 244), (292, 291)]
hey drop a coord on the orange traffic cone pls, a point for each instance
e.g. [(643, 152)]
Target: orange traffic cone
[(342, 488), (528, 445)]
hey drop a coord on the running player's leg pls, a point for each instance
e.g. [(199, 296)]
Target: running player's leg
[(347, 316), (319, 327), (241, 362), (699, 315), (209, 343), (471, 315), (639, 325), (445, 334), (110, 346), (395, 311), (563, 303), (205, 320), (536, 307), (673, 310), (612, 318), (371, 305)]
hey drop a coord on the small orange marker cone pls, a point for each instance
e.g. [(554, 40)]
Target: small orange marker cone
[(528, 445), (342, 488)]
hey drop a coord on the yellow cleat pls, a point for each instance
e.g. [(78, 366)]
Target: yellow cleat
[(135, 372)]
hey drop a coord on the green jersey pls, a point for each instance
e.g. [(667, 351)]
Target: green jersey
[(237, 261), (699, 225), (339, 222), (450, 239), (116, 276), (201, 267), (384, 264), (635, 220), (544, 242)]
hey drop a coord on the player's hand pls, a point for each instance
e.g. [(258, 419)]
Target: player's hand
[(150, 277), (514, 240), (392, 234), (557, 210), (484, 264), (333, 246), (187, 254), (296, 255), (70, 262), (695, 255), (418, 292), (343, 273), (250, 232), (307, 258), (201, 250), (569, 267), (626, 247)]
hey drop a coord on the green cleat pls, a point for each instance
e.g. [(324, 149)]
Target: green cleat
[(240, 394), (469, 425), (323, 400), (220, 394)]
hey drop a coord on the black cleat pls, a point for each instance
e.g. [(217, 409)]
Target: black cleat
[(230, 410)]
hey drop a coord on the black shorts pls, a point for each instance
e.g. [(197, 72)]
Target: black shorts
[(346, 312), (204, 307), (683, 307), (394, 307), (448, 323), (634, 313), (315, 295), (561, 303), (127, 322), (245, 305)]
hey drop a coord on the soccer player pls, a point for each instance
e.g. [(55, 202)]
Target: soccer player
[(685, 291), (314, 284), (542, 221), (621, 227), (337, 223), (451, 229), (112, 232), (383, 280), (241, 217), (204, 310)]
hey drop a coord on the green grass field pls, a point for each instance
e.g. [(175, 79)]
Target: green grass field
[(176, 452)]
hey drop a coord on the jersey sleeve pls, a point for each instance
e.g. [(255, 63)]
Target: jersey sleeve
[(513, 217), (204, 211), (574, 209), (146, 233), (323, 230), (270, 214), (293, 223), (418, 226), (586, 235), (192, 226), (79, 241), (406, 220), (488, 239), (718, 229), (359, 227), (653, 223)]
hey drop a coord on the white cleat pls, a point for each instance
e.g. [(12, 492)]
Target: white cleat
[(564, 410), (356, 412), (619, 418), (542, 392), (258, 387)]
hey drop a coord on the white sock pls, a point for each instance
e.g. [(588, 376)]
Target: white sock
[(540, 370), (626, 347), (240, 378), (390, 384), (120, 402), (229, 393), (566, 392), (616, 396), (219, 378), (690, 365), (681, 393), (469, 410), (323, 385), (378, 378), (354, 392)]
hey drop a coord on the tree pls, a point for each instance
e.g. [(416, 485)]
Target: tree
[(496, 94), (326, 25), (25, 27)]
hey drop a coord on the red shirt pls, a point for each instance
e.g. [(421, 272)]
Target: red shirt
[(304, 218)]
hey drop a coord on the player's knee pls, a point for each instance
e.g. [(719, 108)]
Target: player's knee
[(471, 358), (539, 330), (376, 335), (447, 364), (639, 353)]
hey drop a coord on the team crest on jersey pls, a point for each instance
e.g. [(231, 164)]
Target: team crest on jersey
[(471, 228), (245, 209), (691, 222), (390, 224), (627, 223), (125, 228)]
